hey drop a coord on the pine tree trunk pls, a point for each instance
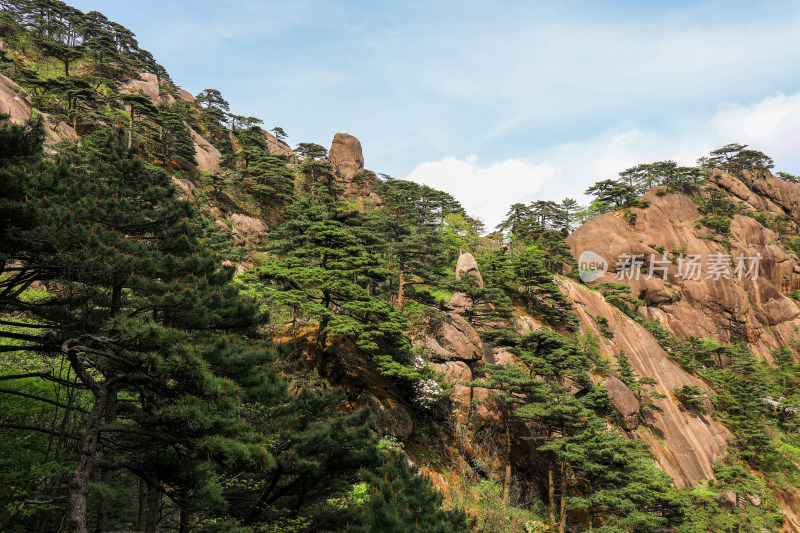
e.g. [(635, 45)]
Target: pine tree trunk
[(130, 130), (183, 526), (507, 481), (401, 290), (107, 475), (551, 495), (562, 526), (148, 507), (79, 484)]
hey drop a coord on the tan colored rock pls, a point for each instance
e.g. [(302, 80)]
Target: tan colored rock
[(501, 356), (524, 323), (277, 147), (693, 442), (13, 101), (206, 154), (348, 161), (148, 84), (66, 132), (346, 156), (625, 402), (456, 373), (186, 187), (753, 310), (468, 265), (248, 226), (387, 417), (185, 95), (456, 340), (459, 302)]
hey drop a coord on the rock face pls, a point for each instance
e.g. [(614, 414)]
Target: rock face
[(277, 147), (149, 86), (452, 339), (756, 311), (13, 102), (467, 265), (186, 187), (348, 161), (247, 226), (625, 402), (732, 308), (346, 156), (206, 154), (457, 373), (692, 442)]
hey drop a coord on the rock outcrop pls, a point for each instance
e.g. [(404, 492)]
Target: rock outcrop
[(149, 85), (206, 154), (692, 442), (277, 147), (625, 402), (452, 338), (13, 101), (736, 306), (347, 160), (248, 226), (346, 156), (186, 187), (756, 311)]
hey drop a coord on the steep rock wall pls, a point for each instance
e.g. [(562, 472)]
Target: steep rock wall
[(756, 311), (691, 442)]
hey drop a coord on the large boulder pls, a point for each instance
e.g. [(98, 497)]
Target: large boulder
[(625, 402), (13, 101), (452, 339), (186, 187), (149, 85), (246, 226), (346, 156), (457, 373), (348, 162), (468, 265)]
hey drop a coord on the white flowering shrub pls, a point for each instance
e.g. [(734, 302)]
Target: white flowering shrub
[(427, 393)]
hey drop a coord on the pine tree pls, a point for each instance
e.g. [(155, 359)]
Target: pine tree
[(541, 294), (396, 500), (324, 273), (175, 142), (143, 311), (511, 384)]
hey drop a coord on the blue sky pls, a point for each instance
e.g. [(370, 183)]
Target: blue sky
[(494, 102)]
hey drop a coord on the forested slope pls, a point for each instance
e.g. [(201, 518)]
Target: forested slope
[(202, 329)]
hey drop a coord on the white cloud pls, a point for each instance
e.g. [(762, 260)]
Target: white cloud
[(485, 191), (771, 125)]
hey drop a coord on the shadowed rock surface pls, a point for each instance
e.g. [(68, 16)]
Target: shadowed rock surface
[(625, 402)]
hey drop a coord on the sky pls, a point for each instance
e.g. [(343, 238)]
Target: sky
[(494, 102)]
